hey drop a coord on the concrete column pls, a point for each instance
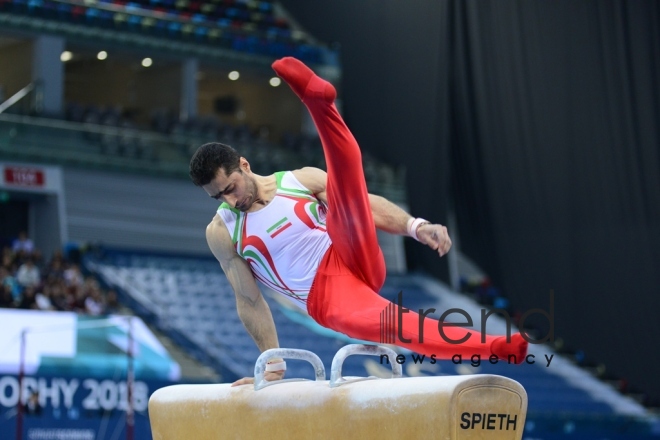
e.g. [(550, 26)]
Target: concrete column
[(48, 71), (189, 70)]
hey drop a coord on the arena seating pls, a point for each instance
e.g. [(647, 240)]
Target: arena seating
[(107, 141), (249, 26), (190, 297)]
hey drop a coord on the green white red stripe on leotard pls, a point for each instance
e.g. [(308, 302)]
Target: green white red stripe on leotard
[(279, 227), (283, 242)]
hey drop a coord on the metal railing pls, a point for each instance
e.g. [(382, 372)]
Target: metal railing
[(16, 97)]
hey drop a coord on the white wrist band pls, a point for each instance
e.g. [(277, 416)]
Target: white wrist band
[(277, 366), (413, 224)]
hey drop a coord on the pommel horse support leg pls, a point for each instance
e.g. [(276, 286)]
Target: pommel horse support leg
[(485, 407)]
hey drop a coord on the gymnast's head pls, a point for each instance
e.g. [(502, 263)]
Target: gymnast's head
[(224, 175)]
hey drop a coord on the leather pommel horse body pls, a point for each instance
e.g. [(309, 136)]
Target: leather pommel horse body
[(449, 407)]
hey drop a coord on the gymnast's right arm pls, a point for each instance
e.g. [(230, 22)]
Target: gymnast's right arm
[(250, 303)]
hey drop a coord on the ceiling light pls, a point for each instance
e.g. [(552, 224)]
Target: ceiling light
[(275, 81)]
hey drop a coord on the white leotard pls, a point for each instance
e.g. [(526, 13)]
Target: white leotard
[(283, 242)]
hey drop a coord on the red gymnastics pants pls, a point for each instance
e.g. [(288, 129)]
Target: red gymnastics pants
[(344, 293)]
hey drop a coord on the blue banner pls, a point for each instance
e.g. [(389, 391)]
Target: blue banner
[(74, 408)]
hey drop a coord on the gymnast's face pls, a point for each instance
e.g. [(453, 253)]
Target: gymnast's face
[(239, 189)]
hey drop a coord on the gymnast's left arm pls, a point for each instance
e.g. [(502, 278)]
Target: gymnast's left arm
[(387, 216), (391, 218)]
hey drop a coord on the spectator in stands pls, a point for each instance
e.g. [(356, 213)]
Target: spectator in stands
[(23, 244), (55, 267), (111, 302), (43, 301), (6, 297), (8, 280), (94, 304), (92, 298), (79, 296), (89, 285), (73, 276), (329, 221), (28, 299), (59, 297), (8, 259), (28, 274), (62, 287)]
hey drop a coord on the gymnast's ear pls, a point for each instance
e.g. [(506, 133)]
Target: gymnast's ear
[(244, 165)]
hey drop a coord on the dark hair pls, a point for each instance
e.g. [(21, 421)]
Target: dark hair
[(209, 158)]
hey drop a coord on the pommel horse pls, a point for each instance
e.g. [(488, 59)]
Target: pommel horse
[(484, 406)]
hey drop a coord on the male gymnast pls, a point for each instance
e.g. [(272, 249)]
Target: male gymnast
[(311, 236)]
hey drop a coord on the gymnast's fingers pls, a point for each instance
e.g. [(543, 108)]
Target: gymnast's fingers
[(244, 381)]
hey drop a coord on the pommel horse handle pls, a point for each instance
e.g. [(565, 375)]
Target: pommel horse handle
[(337, 379), (286, 353)]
